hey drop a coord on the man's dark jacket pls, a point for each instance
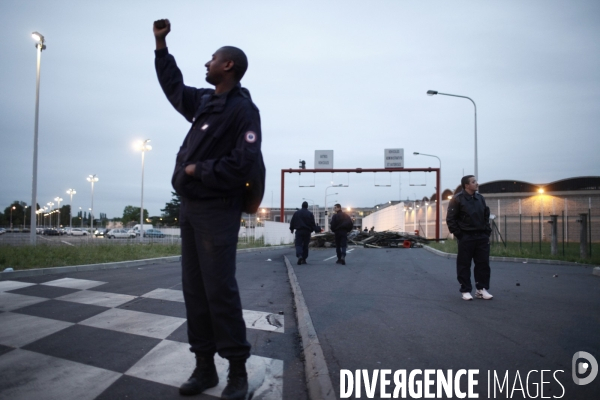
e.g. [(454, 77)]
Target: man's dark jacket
[(468, 214), (224, 140), (303, 221), (341, 222)]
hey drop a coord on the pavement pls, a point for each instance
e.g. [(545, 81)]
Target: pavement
[(121, 333)]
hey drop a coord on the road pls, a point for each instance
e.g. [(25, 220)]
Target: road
[(396, 309)]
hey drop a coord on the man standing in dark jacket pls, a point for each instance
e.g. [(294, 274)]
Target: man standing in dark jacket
[(468, 219), (211, 172), (303, 222), (341, 224)]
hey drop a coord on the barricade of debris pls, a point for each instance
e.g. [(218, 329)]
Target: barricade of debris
[(376, 240)]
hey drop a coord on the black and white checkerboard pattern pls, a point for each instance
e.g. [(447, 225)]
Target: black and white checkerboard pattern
[(67, 339)]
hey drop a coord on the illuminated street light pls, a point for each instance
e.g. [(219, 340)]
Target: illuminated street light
[(439, 211), (71, 192), (11, 210), (58, 199), (143, 147), (434, 92), (92, 179), (40, 45)]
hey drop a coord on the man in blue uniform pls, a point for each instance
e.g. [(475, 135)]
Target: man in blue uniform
[(303, 222), (468, 218), (211, 171), (341, 224)]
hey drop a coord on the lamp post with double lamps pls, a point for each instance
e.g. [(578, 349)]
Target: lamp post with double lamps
[(435, 92), (439, 206), (143, 147), (50, 204), (58, 199), (40, 45), (92, 179), (71, 192)]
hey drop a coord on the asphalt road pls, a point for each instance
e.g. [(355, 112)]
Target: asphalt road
[(396, 309), (401, 309)]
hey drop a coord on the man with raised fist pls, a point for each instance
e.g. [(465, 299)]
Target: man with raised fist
[(211, 172)]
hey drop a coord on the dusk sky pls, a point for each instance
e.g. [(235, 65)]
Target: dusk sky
[(345, 76)]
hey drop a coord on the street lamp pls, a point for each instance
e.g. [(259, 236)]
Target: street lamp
[(143, 147), (439, 209), (81, 218), (434, 92), (40, 45), (71, 192), (326, 210), (58, 199), (11, 210), (24, 216), (50, 204), (92, 179)]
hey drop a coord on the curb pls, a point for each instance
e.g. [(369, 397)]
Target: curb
[(318, 380), (113, 265), (519, 260)]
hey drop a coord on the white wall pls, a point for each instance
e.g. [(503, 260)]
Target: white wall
[(277, 233), (388, 219)]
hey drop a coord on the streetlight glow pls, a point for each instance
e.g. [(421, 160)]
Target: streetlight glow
[(143, 147), (39, 47), (92, 179)]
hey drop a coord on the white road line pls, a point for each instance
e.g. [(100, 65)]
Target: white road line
[(336, 255), (70, 244)]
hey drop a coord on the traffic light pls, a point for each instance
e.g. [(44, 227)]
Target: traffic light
[(302, 164)]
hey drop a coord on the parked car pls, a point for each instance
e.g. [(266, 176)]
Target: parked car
[(78, 232), (2, 231), (120, 233), (154, 233), (51, 232), (101, 232), (39, 231), (62, 231)]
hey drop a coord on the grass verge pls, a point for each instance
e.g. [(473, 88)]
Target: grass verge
[(46, 256), (526, 250)]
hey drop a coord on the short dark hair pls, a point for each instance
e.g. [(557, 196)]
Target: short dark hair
[(240, 61), (465, 179), (337, 205), (304, 204)]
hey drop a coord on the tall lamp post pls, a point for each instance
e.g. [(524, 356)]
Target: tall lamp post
[(143, 147), (58, 199), (439, 206), (71, 192), (24, 216), (11, 210), (39, 46), (434, 92), (92, 179), (50, 204), (326, 211)]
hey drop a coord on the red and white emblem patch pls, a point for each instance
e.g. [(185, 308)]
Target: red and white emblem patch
[(250, 137)]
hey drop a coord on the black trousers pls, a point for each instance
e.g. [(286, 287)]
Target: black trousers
[(474, 247), (209, 235), (302, 239), (341, 243)]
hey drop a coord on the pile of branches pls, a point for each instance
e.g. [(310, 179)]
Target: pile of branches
[(377, 240)]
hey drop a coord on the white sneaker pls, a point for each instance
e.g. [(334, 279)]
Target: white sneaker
[(483, 294), (467, 296)]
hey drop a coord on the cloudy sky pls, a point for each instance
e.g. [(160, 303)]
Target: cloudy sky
[(345, 76)]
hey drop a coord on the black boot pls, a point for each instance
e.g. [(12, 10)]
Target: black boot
[(299, 260), (204, 377), (343, 260), (237, 381)]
